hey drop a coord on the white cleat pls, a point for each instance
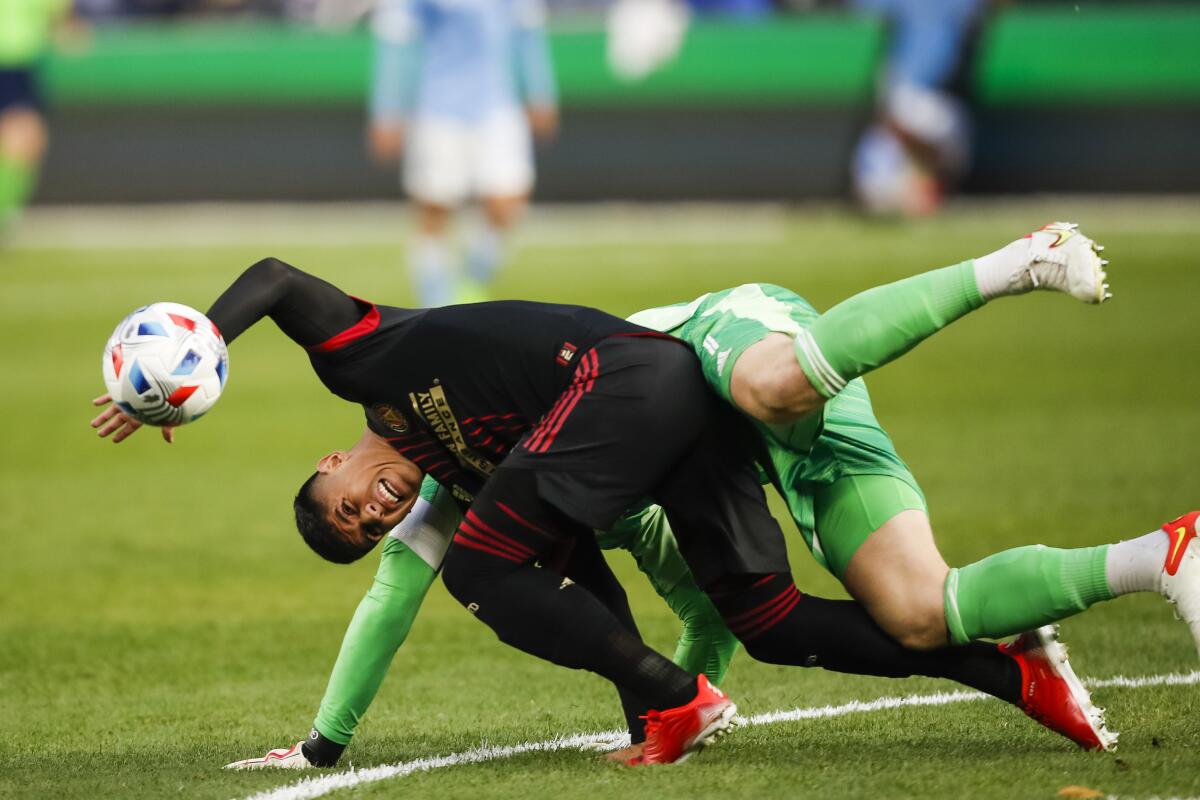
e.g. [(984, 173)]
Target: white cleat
[(1061, 259), (1180, 582), (290, 758)]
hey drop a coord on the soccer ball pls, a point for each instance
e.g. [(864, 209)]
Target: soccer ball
[(165, 364)]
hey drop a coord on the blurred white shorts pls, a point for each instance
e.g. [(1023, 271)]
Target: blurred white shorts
[(448, 161)]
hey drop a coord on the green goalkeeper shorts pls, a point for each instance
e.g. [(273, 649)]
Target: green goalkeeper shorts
[(837, 469)]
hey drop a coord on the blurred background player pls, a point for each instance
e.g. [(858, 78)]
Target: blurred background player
[(920, 144), (25, 28), (449, 84)]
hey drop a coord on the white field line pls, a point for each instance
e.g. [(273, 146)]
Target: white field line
[(386, 223), (308, 788), (207, 225)]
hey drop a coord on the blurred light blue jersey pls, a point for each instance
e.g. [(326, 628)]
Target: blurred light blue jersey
[(927, 37), (461, 60)]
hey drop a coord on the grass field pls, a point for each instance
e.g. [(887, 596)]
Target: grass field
[(159, 616)]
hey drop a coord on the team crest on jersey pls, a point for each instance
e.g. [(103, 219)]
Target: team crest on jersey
[(391, 417), (566, 353)]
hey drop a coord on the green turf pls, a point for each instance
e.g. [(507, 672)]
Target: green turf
[(159, 617)]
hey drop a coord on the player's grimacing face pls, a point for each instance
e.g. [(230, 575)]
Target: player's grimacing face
[(366, 491)]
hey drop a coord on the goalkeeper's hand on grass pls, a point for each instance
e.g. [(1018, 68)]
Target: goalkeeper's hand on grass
[(290, 758), (317, 751)]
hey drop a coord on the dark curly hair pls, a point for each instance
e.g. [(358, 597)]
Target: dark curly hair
[(313, 524)]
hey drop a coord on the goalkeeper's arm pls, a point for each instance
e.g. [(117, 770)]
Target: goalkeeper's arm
[(381, 623)]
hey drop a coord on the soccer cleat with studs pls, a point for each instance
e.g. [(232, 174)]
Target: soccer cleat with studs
[(673, 735), (1060, 258), (1052, 694), (1180, 581)]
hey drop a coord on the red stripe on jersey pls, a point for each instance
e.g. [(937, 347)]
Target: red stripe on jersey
[(424, 458), (420, 444), (367, 324), (543, 425), (484, 418), (565, 400), (555, 409), (592, 362)]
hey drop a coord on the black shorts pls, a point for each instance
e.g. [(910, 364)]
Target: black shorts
[(19, 88), (638, 421)]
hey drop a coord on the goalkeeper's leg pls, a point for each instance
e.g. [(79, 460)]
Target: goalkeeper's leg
[(782, 378), (877, 537)]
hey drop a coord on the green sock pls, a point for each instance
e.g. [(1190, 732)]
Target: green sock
[(16, 182), (1023, 588), (876, 326)]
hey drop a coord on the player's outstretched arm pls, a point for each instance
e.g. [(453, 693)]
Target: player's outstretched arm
[(309, 310), (306, 308)]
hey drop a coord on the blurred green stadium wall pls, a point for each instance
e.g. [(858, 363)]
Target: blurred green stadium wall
[(1103, 99)]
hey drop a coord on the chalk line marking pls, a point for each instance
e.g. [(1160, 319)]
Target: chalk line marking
[(309, 788)]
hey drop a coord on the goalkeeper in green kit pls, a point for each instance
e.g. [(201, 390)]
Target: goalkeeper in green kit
[(796, 373)]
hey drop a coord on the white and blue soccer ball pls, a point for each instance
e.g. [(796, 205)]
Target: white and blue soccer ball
[(165, 364)]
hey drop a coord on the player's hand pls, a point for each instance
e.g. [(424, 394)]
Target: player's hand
[(543, 122), (385, 142), (290, 758), (113, 421)]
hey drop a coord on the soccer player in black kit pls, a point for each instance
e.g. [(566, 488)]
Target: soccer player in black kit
[(547, 422)]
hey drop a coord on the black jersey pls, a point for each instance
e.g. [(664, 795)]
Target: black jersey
[(453, 389)]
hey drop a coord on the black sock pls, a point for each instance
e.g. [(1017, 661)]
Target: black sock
[(779, 625), (586, 566), (534, 610)]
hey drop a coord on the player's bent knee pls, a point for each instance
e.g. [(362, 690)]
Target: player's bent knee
[(918, 628), (769, 385)]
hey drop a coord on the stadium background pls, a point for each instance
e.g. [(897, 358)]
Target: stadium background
[(159, 617)]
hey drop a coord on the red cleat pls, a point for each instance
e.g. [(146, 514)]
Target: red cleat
[(673, 735), (1052, 695)]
